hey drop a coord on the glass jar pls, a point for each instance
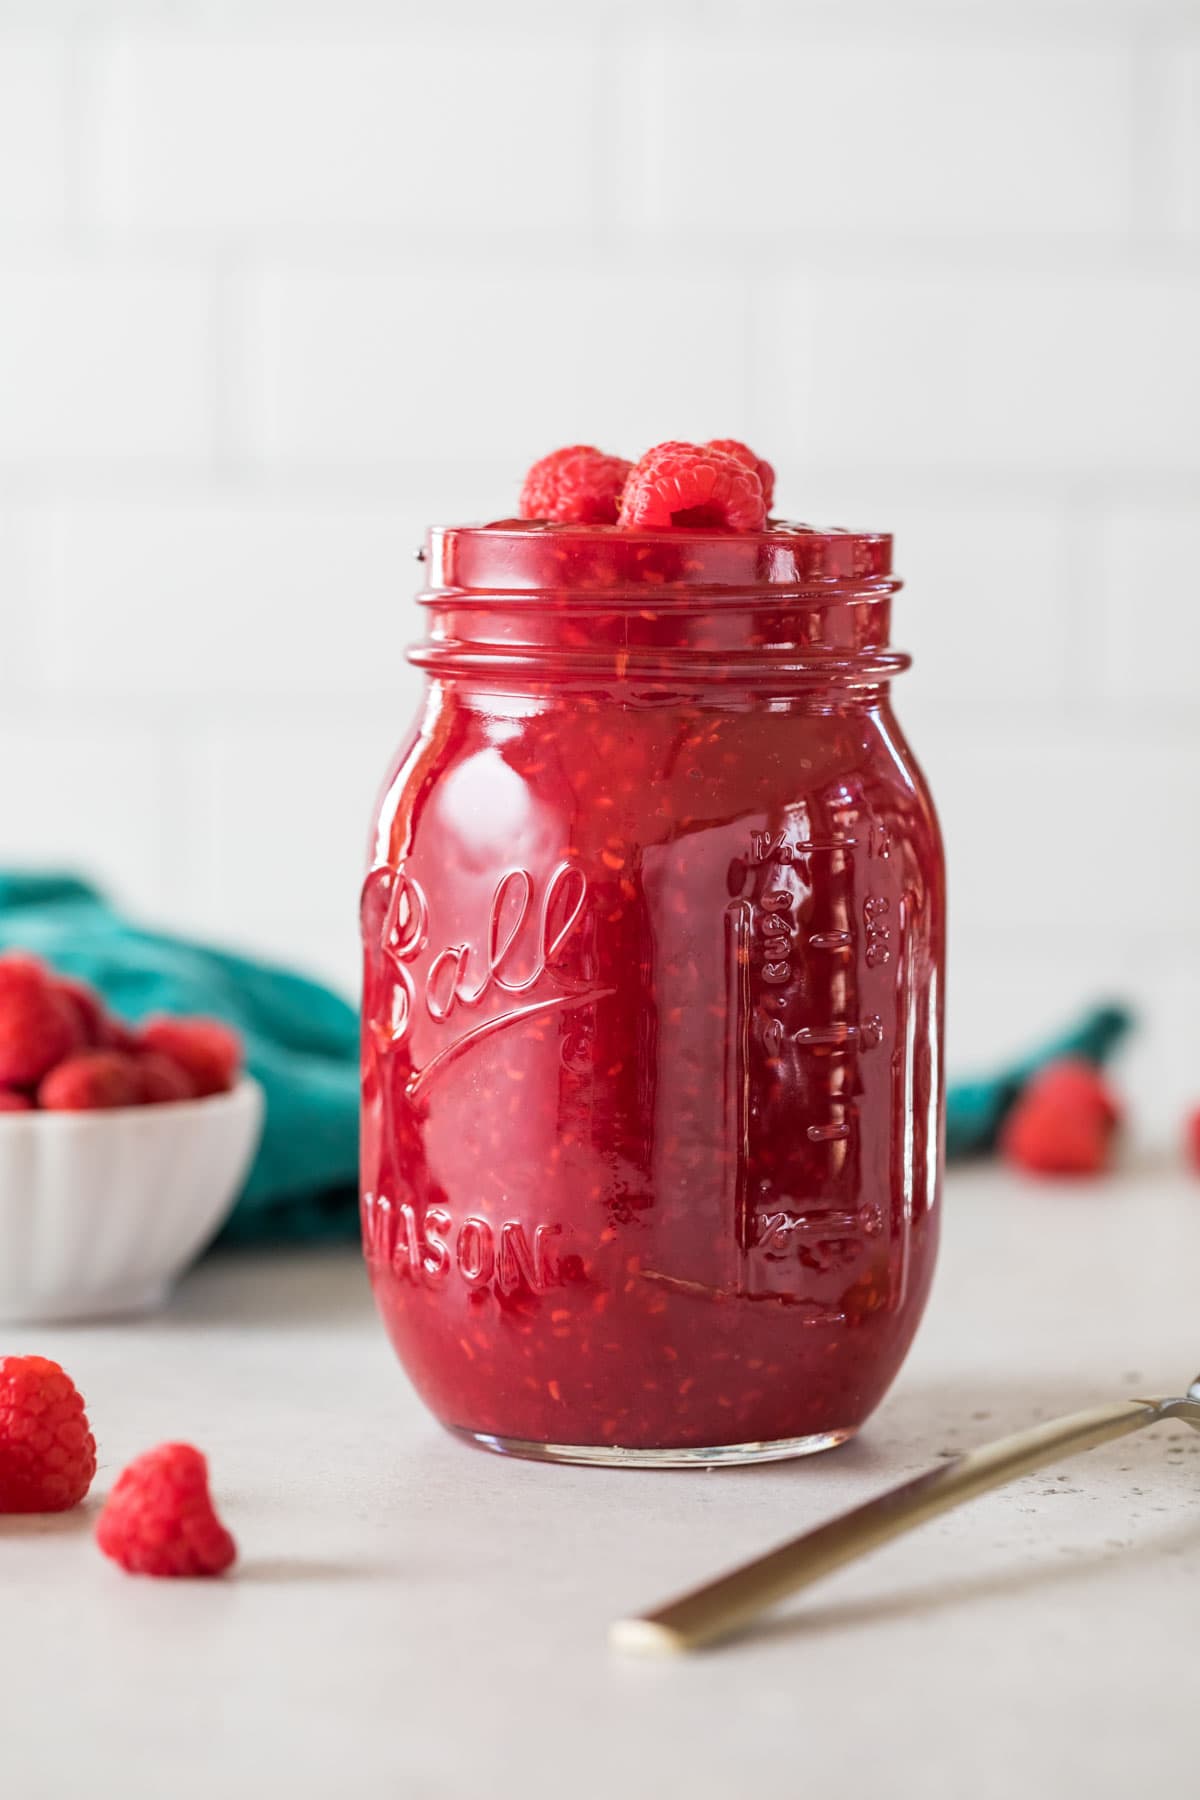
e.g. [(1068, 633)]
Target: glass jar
[(653, 935)]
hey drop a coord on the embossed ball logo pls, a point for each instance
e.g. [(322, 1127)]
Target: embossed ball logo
[(512, 971)]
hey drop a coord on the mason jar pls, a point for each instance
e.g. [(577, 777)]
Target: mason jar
[(654, 940)]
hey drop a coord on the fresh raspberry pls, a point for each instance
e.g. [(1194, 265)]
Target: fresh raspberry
[(208, 1051), (159, 1518), (12, 1101), (101, 1031), (118, 1035), (47, 1451), (38, 1026), (1192, 1139), (1077, 1086), (162, 1080), (22, 962), (745, 455), (92, 1080), (576, 486), (692, 485), (1064, 1122), (1045, 1142), (86, 1006)]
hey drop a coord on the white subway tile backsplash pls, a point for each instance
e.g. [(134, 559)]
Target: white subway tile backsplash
[(1001, 1007), (1080, 373), (1059, 835), (86, 795), (106, 363), (363, 365), (206, 598), (287, 131), (912, 133), (1149, 608), (33, 131), (16, 600), (279, 285), (1178, 132), (985, 607), (279, 819), (1162, 1067)]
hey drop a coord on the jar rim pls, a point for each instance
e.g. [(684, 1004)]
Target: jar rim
[(530, 557), (787, 609)]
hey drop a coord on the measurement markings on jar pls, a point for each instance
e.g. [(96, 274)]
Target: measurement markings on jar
[(830, 940), (766, 846), (768, 947), (780, 1228), (867, 1035), (775, 963), (739, 917), (876, 907), (818, 1238)]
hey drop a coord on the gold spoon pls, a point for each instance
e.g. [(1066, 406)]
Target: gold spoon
[(726, 1604)]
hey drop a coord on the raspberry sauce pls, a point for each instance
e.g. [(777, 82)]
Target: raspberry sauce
[(653, 937)]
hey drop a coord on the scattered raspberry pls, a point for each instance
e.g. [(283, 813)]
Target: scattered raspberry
[(208, 1051), (1045, 1142), (47, 1451), (38, 1026), (1193, 1140), (575, 486), (162, 1080), (1078, 1086), (745, 455), (12, 1101), (92, 1080), (159, 1518), (1064, 1123), (691, 485)]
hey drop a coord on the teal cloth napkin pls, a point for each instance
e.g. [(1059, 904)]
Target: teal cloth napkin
[(302, 1045)]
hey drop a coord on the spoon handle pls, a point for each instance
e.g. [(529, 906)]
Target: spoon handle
[(729, 1602)]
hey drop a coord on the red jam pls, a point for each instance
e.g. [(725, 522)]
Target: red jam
[(652, 1011)]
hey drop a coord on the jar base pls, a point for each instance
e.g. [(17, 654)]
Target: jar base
[(619, 1456)]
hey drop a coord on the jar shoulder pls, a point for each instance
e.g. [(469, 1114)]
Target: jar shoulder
[(647, 774)]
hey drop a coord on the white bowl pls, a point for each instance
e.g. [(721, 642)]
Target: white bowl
[(101, 1212)]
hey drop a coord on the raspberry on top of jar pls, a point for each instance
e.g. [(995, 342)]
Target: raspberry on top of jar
[(721, 485), (682, 519)]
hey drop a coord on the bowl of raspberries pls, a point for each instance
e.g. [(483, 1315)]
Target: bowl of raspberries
[(122, 1147)]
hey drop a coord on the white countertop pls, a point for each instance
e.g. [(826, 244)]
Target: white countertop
[(414, 1618)]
